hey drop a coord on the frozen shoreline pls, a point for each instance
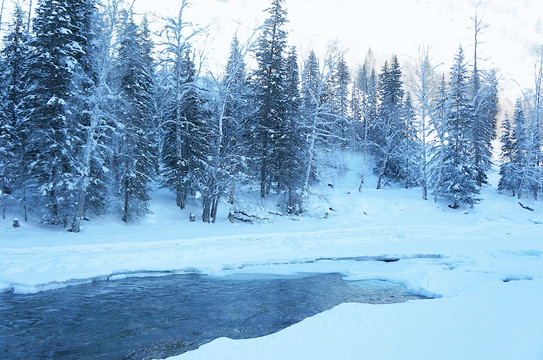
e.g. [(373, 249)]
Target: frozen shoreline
[(485, 263)]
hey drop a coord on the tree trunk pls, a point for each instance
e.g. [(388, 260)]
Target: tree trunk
[(76, 223), (232, 193), (24, 204), (206, 208), (424, 184), (379, 182), (214, 207), (126, 200), (1, 13), (181, 198)]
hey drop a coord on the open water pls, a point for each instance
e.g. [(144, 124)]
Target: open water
[(157, 317)]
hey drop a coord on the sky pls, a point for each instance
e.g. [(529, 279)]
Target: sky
[(400, 27), (388, 27)]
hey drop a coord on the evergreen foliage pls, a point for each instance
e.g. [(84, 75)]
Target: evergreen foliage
[(12, 141), (52, 127), (483, 129), (269, 125), (90, 120), (458, 183), (389, 129), (135, 154)]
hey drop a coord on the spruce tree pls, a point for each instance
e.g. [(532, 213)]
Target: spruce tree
[(458, 175), (311, 108), (185, 142), (291, 147), (439, 122), (224, 163), (183, 125), (519, 178), (136, 157), (12, 139), (341, 80), (269, 81), (508, 174), (51, 121), (483, 129), (410, 146), (389, 129), (365, 108)]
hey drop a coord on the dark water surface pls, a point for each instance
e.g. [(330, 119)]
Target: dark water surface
[(156, 317)]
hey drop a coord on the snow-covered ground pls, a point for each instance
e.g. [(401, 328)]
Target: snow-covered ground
[(484, 265)]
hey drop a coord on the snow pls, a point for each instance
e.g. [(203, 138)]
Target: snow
[(450, 328), (484, 266)]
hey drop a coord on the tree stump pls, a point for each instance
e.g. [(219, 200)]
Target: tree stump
[(16, 223), (192, 217)]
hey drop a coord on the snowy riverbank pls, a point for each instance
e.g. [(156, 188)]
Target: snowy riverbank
[(485, 266)]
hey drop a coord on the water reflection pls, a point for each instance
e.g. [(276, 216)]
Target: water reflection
[(156, 317)]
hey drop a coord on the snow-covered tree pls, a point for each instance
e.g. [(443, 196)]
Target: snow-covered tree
[(364, 108), (318, 118), (51, 121), (340, 81), (94, 160), (458, 174), (410, 146), (289, 157), (532, 178), (225, 163), (439, 122), (425, 86), (12, 140), (135, 155), (389, 128), (183, 131), (270, 84), (509, 171), (483, 128)]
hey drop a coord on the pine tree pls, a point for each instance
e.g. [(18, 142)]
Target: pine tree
[(458, 175), (341, 79), (237, 95), (390, 127), (291, 145), (12, 140), (410, 146), (269, 81), (136, 157), (311, 108), (98, 100), (237, 111), (483, 129), (224, 163), (439, 122), (52, 128), (519, 178), (184, 139), (365, 108), (185, 133), (532, 180), (508, 174)]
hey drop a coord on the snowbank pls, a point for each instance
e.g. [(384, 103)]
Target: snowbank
[(497, 322), (485, 265)]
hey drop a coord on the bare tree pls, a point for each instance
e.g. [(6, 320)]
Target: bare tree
[(110, 21), (424, 86), (317, 110)]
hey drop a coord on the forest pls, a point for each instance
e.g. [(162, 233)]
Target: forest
[(97, 110)]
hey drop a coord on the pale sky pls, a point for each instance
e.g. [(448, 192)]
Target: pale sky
[(387, 26)]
